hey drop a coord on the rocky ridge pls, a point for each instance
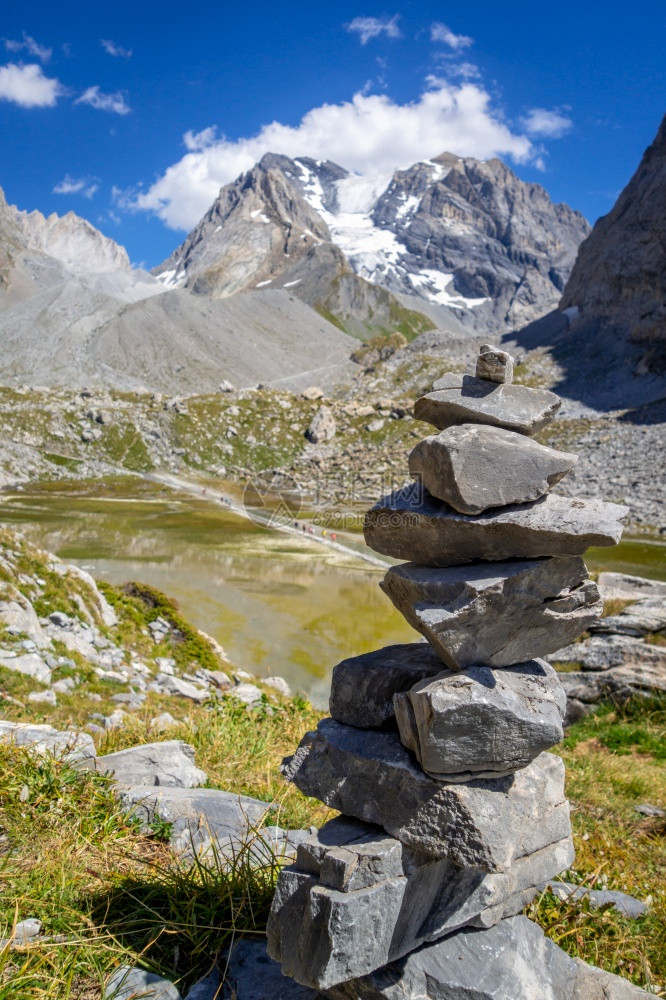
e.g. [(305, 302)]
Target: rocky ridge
[(464, 239)]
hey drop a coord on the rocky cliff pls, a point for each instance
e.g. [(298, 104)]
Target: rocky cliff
[(73, 313), (618, 283), (68, 239), (464, 241)]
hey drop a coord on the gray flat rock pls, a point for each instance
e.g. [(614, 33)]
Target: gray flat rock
[(369, 775), (625, 904), (513, 960), (497, 613), (129, 983), (30, 664), (629, 588), (320, 921), (474, 467), (603, 652), (252, 975), (362, 687), (647, 615), (482, 722), (197, 815), (182, 688), (67, 745), (588, 687), (462, 399), (410, 524), (169, 763)]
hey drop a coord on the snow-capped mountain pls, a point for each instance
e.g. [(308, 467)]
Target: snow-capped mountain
[(463, 241)]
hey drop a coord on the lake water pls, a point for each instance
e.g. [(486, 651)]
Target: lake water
[(279, 604)]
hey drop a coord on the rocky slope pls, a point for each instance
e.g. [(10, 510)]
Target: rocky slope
[(31, 244), (618, 283), (73, 313), (607, 335), (464, 240)]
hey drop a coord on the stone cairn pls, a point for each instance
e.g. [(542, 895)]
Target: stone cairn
[(453, 811)]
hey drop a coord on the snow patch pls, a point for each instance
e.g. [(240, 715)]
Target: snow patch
[(409, 207), (438, 287), (172, 278)]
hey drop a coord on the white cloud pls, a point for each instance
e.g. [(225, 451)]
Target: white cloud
[(442, 33), (196, 141), (460, 71), (32, 47), (104, 102), (371, 27), (27, 86), (551, 124), (115, 50), (86, 186), (370, 134)]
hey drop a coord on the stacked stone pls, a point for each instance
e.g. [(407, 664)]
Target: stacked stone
[(453, 811)]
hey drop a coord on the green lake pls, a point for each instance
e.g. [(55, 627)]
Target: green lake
[(280, 604)]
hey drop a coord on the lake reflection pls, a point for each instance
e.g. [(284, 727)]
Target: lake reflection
[(279, 604)]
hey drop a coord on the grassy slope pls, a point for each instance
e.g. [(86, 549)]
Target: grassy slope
[(81, 873)]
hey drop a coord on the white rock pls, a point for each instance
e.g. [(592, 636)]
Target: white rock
[(29, 664), (49, 697)]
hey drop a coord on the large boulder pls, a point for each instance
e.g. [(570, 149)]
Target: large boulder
[(473, 467), (410, 524), (513, 960), (362, 687), (463, 399), (357, 899), (495, 614), (169, 763), (483, 722), (487, 823), (322, 427)]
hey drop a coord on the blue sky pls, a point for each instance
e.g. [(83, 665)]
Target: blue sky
[(132, 115)]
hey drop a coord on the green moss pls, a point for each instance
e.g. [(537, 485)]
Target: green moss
[(64, 461), (331, 318), (141, 604), (123, 444)]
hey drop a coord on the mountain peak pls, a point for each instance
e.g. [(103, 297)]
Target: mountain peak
[(618, 283), (465, 240)]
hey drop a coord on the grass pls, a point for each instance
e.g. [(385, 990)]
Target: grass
[(106, 895), (614, 761), (86, 871)]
